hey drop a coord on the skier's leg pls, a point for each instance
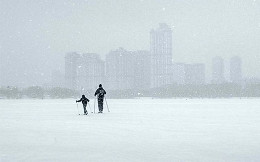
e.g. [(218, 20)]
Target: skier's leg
[(99, 105), (101, 102), (84, 107)]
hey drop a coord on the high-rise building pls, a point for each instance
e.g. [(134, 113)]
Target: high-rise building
[(91, 71), (84, 72), (120, 69), (1, 71), (142, 69), (217, 70), (195, 74), (161, 56), (71, 70), (128, 69), (235, 70), (179, 73)]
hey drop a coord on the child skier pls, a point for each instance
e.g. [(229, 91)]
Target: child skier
[(84, 101)]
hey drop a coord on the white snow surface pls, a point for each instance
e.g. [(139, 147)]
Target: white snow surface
[(135, 130)]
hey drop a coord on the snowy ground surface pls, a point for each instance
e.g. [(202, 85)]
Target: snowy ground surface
[(134, 130)]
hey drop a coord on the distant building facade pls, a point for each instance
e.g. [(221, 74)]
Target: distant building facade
[(91, 71), (235, 70), (195, 74), (142, 69), (161, 56), (179, 73), (120, 69), (83, 71), (128, 69), (188, 74), (71, 70), (217, 70)]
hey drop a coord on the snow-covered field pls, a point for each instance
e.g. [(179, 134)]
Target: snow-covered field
[(134, 130)]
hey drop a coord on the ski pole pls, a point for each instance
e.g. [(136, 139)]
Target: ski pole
[(90, 107), (94, 106), (78, 108), (107, 105)]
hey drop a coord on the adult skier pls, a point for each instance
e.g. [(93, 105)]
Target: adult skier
[(100, 93), (84, 101)]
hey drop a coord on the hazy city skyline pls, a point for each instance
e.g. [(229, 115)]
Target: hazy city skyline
[(36, 35)]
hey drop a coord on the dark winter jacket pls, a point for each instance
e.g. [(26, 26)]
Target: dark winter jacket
[(84, 100), (100, 92)]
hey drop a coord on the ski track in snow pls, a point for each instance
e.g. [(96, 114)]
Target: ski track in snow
[(134, 130)]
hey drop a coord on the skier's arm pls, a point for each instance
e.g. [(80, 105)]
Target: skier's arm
[(96, 92), (79, 100)]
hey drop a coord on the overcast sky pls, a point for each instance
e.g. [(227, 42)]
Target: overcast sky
[(35, 34)]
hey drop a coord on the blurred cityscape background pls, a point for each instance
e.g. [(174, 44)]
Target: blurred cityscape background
[(137, 48), (152, 73)]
